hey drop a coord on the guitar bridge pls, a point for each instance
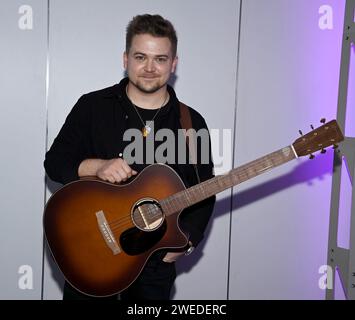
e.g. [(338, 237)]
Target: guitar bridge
[(107, 233)]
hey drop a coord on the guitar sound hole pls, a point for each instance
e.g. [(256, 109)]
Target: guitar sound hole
[(147, 215)]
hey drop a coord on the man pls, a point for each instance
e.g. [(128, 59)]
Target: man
[(91, 141)]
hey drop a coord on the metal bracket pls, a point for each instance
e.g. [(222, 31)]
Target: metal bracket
[(342, 259)]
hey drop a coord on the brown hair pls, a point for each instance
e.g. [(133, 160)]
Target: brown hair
[(154, 25)]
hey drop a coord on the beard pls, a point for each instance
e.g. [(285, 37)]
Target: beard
[(149, 86)]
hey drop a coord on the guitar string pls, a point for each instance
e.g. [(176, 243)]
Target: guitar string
[(153, 212), (243, 174), (129, 221), (124, 222), (150, 210), (114, 230)]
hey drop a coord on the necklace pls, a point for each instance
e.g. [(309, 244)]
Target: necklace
[(146, 127)]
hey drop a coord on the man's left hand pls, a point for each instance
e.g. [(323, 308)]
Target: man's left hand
[(173, 256)]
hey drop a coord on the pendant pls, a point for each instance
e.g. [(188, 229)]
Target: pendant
[(146, 130)]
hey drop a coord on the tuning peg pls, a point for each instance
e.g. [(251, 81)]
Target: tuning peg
[(300, 132), (335, 146), (311, 156), (323, 151), (322, 120), (312, 127)]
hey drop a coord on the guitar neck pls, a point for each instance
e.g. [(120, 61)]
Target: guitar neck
[(208, 188)]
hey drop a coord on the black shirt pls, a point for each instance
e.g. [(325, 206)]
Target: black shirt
[(94, 129)]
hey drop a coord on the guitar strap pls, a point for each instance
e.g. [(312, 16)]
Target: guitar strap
[(186, 123)]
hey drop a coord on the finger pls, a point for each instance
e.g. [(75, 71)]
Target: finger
[(171, 256), (122, 174), (116, 176), (111, 179), (105, 176), (130, 172), (128, 169), (168, 260)]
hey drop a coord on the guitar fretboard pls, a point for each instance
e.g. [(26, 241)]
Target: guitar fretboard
[(208, 188)]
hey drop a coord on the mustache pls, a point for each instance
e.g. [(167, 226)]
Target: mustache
[(149, 75)]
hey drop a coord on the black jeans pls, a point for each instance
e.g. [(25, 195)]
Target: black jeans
[(154, 283)]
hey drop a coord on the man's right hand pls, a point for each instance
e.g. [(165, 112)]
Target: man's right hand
[(114, 170)]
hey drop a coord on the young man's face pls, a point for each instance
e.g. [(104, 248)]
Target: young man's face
[(149, 62)]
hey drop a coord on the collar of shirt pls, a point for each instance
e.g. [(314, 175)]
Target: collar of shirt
[(119, 91)]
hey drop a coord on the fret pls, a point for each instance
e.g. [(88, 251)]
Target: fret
[(208, 188), (235, 179), (200, 190), (165, 204), (224, 182), (194, 194), (172, 204), (176, 202), (250, 172), (187, 197)]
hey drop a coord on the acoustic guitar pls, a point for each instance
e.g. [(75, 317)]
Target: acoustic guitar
[(101, 234)]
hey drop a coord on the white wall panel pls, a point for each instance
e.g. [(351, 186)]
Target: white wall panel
[(22, 140)]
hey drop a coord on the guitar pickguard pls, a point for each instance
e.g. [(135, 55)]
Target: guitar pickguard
[(135, 241)]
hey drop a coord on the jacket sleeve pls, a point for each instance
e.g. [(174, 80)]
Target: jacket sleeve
[(69, 147), (194, 220)]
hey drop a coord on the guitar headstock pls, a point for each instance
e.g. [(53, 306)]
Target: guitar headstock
[(318, 139)]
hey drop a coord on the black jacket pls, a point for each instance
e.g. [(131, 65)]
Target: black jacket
[(94, 129)]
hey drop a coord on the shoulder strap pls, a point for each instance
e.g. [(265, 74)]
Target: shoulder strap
[(186, 123)]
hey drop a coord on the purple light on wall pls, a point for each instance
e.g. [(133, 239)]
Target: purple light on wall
[(346, 186), (322, 26), (330, 85), (318, 34), (326, 38), (343, 238), (350, 107)]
